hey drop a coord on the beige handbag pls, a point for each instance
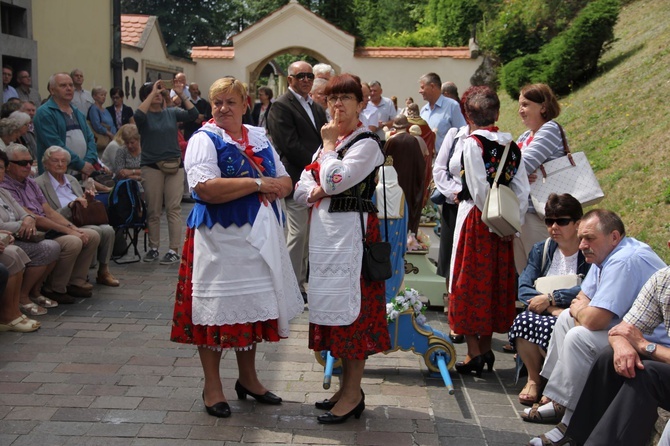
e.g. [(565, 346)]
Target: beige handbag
[(549, 284), (501, 209)]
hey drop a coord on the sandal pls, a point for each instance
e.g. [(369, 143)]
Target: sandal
[(21, 324), (508, 348), (32, 309), (534, 416), (44, 301), (562, 442), (530, 394)]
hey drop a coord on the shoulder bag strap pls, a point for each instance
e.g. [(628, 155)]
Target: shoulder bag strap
[(501, 165), (451, 154), (566, 148), (544, 253)]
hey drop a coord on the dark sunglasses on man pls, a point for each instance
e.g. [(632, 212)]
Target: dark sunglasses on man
[(302, 76), (22, 163)]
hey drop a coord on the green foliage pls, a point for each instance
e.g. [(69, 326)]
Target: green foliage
[(519, 27), (453, 19), (376, 19), (571, 57), (424, 36)]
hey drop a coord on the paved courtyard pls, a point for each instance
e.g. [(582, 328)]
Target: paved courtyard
[(103, 372)]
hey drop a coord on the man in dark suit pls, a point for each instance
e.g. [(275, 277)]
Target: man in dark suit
[(294, 123)]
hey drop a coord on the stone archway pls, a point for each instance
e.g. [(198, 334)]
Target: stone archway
[(296, 30)]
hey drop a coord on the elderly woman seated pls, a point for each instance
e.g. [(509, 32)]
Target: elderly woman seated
[(10, 131), (41, 255), (122, 155), (559, 255), (61, 191)]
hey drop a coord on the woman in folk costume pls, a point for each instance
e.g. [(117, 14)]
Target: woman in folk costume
[(236, 286), (483, 285), (396, 215), (347, 313)]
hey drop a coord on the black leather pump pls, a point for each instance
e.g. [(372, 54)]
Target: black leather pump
[(489, 359), (328, 404), (267, 398), (220, 409), (329, 418), (475, 364)]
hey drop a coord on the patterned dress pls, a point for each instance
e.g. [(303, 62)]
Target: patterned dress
[(483, 285)]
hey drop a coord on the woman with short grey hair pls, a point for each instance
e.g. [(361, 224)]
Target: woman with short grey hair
[(55, 162)]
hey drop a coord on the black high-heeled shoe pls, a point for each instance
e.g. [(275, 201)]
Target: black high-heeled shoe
[(475, 364), (328, 404), (267, 398), (220, 409), (329, 418), (489, 359)]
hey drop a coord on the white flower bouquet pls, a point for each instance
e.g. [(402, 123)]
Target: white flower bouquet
[(405, 300)]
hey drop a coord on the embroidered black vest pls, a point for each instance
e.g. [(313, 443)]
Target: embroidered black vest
[(491, 154), (347, 200)]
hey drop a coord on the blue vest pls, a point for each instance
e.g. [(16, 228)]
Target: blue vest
[(233, 164)]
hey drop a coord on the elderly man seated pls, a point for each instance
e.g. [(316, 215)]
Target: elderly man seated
[(631, 378), (78, 245), (622, 265)]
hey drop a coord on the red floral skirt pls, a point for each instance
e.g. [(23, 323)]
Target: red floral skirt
[(184, 331), (484, 286), (369, 333)]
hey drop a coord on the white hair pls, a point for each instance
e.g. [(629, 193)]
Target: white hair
[(20, 117), (323, 69), (14, 148), (55, 149)]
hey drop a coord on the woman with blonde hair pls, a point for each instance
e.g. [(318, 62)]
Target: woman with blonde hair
[(122, 155), (236, 297)]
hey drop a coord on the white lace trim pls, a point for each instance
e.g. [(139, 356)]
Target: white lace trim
[(201, 173), (257, 137)]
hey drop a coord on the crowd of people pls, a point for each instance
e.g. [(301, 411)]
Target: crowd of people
[(292, 187)]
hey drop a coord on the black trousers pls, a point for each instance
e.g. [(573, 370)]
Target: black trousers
[(614, 410), (448, 227)]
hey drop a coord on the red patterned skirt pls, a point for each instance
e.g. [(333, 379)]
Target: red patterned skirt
[(484, 286), (237, 336), (369, 333)]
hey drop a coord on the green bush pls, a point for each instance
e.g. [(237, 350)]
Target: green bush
[(571, 57), (516, 28)]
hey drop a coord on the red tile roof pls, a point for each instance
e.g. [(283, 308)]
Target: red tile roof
[(228, 52), (132, 28), (461, 52), (212, 52)]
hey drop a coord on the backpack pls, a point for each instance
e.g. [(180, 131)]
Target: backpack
[(126, 208)]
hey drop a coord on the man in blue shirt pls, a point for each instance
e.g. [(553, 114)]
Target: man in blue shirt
[(621, 267), (441, 113)]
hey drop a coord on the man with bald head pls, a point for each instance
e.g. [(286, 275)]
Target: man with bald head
[(294, 123), (81, 98), (59, 123)]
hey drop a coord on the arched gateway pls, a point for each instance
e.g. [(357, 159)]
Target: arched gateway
[(296, 30)]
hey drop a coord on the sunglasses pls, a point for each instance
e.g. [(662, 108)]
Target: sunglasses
[(302, 76), (22, 163), (559, 221)]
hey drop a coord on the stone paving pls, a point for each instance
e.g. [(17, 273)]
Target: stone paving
[(103, 372)]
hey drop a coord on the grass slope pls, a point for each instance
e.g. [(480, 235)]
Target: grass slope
[(621, 120)]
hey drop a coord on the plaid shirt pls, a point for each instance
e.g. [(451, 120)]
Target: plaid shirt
[(652, 306)]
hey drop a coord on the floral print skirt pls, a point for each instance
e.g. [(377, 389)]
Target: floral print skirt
[(368, 334), (236, 336), (484, 286)]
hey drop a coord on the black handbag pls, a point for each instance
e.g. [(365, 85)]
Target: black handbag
[(376, 255)]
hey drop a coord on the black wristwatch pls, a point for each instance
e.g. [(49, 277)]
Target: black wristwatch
[(650, 349)]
